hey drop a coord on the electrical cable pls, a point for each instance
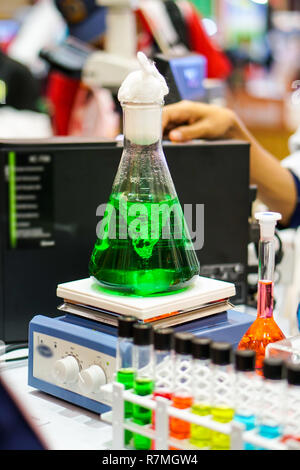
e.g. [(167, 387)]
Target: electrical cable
[(23, 358), (10, 348), (14, 347)]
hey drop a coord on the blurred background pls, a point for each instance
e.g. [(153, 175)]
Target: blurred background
[(61, 61)]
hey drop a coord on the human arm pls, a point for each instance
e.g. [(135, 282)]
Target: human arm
[(188, 120)]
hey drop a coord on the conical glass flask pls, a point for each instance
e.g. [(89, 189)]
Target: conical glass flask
[(264, 329), (144, 247)]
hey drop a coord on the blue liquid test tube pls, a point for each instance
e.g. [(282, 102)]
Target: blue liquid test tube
[(271, 408), (246, 389)]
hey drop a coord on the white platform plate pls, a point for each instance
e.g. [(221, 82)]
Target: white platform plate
[(88, 292)]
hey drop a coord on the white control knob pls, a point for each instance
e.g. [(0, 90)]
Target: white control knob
[(66, 370), (91, 379)]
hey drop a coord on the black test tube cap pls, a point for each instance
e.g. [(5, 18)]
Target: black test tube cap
[(125, 326), (221, 353), (183, 343), (273, 368), (201, 348), (244, 360), (163, 339), (293, 373), (142, 334)]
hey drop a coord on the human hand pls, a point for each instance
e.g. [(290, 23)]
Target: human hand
[(188, 120)]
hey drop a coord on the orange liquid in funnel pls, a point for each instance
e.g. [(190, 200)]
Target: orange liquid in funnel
[(264, 329)]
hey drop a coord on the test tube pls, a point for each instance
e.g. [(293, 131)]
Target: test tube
[(143, 381), (292, 407), (245, 390), (163, 361), (271, 409), (182, 394), (222, 391), (124, 365), (201, 383)]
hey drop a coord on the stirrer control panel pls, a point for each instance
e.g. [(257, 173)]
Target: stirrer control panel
[(71, 360)]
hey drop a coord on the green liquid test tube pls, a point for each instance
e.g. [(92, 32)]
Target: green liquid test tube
[(143, 382), (126, 377), (142, 415), (125, 372)]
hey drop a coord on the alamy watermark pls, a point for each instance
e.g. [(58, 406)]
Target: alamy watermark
[(152, 221)]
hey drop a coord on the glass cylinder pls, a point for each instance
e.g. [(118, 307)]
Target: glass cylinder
[(163, 363), (271, 410), (246, 389), (124, 363), (222, 391), (143, 381), (124, 353), (182, 394), (202, 390)]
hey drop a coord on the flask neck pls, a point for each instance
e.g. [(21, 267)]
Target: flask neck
[(266, 259), (265, 299), (142, 124), (266, 279)]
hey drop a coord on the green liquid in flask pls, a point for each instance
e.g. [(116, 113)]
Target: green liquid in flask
[(141, 415), (159, 257)]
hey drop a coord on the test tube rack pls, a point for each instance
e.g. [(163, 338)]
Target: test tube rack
[(115, 396)]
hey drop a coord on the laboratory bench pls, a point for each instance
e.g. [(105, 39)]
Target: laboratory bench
[(62, 425), (69, 427)]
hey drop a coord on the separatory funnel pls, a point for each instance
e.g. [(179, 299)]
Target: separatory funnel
[(143, 246), (264, 329)]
